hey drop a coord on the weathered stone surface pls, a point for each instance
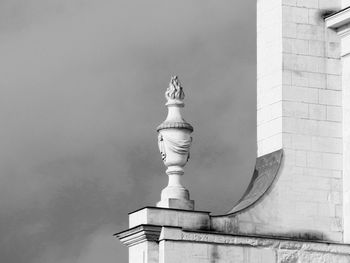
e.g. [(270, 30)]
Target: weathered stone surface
[(178, 245), (299, 73), (287, 256), (300, 214), (265, 172)]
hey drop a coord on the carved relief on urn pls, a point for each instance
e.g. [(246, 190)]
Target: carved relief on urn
[(174, 141)]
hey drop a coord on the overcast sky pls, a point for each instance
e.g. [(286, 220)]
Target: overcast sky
[(81, 93)]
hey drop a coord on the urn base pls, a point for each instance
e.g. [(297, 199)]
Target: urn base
[(176, 204)]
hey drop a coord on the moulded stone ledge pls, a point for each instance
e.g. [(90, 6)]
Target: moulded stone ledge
[(139, 234), (177, 234), (197, 220)]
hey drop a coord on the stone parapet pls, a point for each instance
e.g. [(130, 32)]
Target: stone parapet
[(180, 245), (167, 244)]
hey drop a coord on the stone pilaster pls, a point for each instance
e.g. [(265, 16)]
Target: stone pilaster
[(145, 225), (299, 110), (340, 22)]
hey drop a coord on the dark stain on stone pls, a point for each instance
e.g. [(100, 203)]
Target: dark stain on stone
[(214, 254)]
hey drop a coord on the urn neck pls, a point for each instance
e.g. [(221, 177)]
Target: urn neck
[(174, 114)]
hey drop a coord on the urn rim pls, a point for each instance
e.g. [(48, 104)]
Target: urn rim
[(175, 125)]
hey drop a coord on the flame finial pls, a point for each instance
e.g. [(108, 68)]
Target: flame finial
[(174, 93)]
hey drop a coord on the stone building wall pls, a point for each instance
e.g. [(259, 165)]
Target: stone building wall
[(300, 110), (297, 208), (160, 235)]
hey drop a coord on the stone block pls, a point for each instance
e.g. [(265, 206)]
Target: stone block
[(307, 3), (310, 32), (345, 43), (176, 203), (295, 109), (339, 211), (295, 14), (316, 48), (290, 62), (327, 144), (300, 78), (300, 94), (324, 160), (315, 17), (269, 128), (270, 144), (326, 209), (316, 64), (333, 50), (170, 217), (306, 208), (301, 126), (301, 142), (329, 129), (334, 113), (269, 97), (317, 80), (345, 3), (296, 46), (287, 256), (330, 97), (334, 82), (332, 36), (270, 81), (318, 172), (289, 2), (335, 197), (289, 29), (300, 158), (333, 66), (317, 112), (287, 77), (329, 5)]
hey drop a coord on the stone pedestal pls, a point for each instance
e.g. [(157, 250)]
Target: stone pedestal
[(145, 226), (179, 204)]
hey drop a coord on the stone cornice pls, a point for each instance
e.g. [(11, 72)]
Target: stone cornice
[(339, 21), (168, 209), (139, 234)]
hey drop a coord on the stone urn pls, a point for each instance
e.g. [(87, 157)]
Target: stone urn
[(174, 141)]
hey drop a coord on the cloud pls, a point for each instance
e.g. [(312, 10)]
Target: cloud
[(98, 245), (102, 245), (80, 96)]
